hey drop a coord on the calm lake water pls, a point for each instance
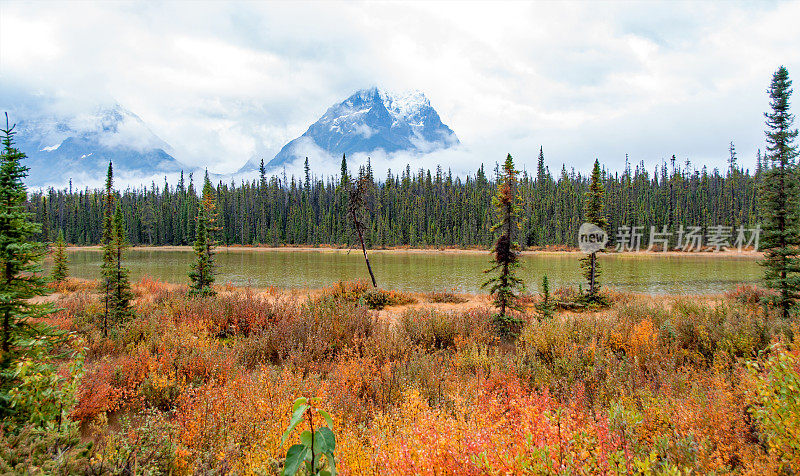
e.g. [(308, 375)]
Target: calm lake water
[(423, 272)]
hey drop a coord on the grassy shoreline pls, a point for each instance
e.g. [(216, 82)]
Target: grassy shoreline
[(543, 252)]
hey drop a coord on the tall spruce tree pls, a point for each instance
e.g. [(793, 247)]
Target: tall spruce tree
[(779, 202), (201, 274), (505, 286), (37, 434), (594, 213), (20, 258), (122, 295), (108, 267), (209, 199), (307, 171), (60, 263)]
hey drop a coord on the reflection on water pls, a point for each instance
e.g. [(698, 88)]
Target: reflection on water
[(463, 272)]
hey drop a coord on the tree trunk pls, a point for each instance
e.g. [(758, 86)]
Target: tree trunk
[(6, 331), (7, 315), (105, 314), (364, 249)]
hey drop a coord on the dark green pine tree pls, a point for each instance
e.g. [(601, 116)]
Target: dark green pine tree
[(307, 171), (780, 237), (201, 274), (209, 199), (505, 286), (210, 214), (108, 267), (34, 396), (344, 181), (546, 306), (20, 258), (122, 295), (594, 213), (540, 167), (60, 264)]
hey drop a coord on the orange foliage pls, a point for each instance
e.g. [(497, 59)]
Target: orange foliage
[(432, 393)]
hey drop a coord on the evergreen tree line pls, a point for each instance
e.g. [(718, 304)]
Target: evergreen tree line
[(426, 208)]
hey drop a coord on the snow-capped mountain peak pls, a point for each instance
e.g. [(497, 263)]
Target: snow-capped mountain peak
[(408, 106), (80, 144), (369, 120)]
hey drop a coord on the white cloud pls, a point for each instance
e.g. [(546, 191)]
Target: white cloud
[(364, 131), (223, 82)]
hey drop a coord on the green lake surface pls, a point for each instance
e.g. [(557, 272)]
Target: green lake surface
[(699, 273)]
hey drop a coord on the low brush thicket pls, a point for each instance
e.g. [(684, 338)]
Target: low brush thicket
[(649, 386), (361, 292)]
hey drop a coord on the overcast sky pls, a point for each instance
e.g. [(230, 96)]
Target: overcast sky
[(222, 82)]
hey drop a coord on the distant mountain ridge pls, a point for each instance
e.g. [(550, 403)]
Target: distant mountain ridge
[(370, 120), (61, 147), (77, 145)]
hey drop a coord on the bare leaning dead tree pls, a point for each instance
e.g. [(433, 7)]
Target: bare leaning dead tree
[(357, 208)]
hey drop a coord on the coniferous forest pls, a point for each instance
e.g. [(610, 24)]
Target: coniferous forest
[(423, 208)]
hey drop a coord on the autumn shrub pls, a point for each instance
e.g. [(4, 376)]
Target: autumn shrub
[(348, 291), (699, 330), (365, 294), (376, 299), (506, 430), (445, 297), (568, 298), (36, 434), (145, 444), (648, 386), (433, 329), (557, 354), (360, 384), (748, 294), (73, 311), (150, 372), (565, 293), (305, 333), (481, 358), (71, 285), (776, 408), (154, 290), (238, 313), (380, 298), (237, 426), (148, 329)]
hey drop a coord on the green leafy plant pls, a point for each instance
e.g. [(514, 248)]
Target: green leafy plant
[(314, 444)]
